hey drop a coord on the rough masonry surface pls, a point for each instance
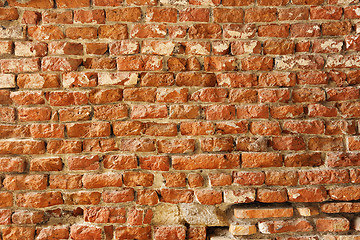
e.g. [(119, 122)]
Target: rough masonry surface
[(179, 119)]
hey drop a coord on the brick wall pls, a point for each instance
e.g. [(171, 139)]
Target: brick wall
[(179, 119)]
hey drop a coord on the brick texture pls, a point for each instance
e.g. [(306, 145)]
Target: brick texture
[(179, 119)]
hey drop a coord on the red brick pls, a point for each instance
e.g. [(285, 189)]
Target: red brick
[(110, 3), (64, 146), (89, 16), (15, 164), (20, 65), (105, 215), (82, 32), (313, 194), (249, 178), (298, 225), (208, 197), (252, 111), (205, 31), (232, 127), (28, 49), (318, 110), (60, 64), (101, 96), (79, 232), (177, 31), (147, 197), (277, 79), (45, 32), (243, 95), (279, 47), (273, 30), (323, 177), (73, 4), (140, 63), (148, 31), (271, 195), (327, 46), (336, 28), (156, 163), (220, 179), (332, 224), (46, 164), (83, 162), (281, 178), (255, 160), (39, 200), (6, 199), (100, 63), (342, 159), (128, 232), (206, 161), (140, 94), (99, 145), (74, 114), (308, 95), (224, 15), (184, 111), (38, 81), (194, 15), (31, 17), (64, 17), (48, 232), (82, 198), (263, 212), (176, 145), (242, 31), (348, 193), (257, 63), (251, 144), (351, 12), (288, 143), (132, 14), (325, 144), (197, 128), (195, 180), (9, 233), (337, 127), (266, 128), (303, 160), (326, 12), (273, 2), (165, 232), (148, 111), (13, 131), (22, 147), (28, 217), (7, 114), (223, 144), (196, 79), (176, 196), (96, 48), (215, 112), (65, 181), (174, 179), (120, 162), (307, 2), (133, 179), (23, 182), (341, 94), (274, 95), (137, 145), (260, 15)]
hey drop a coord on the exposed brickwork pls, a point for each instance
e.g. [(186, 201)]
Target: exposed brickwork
[(165, 119)]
